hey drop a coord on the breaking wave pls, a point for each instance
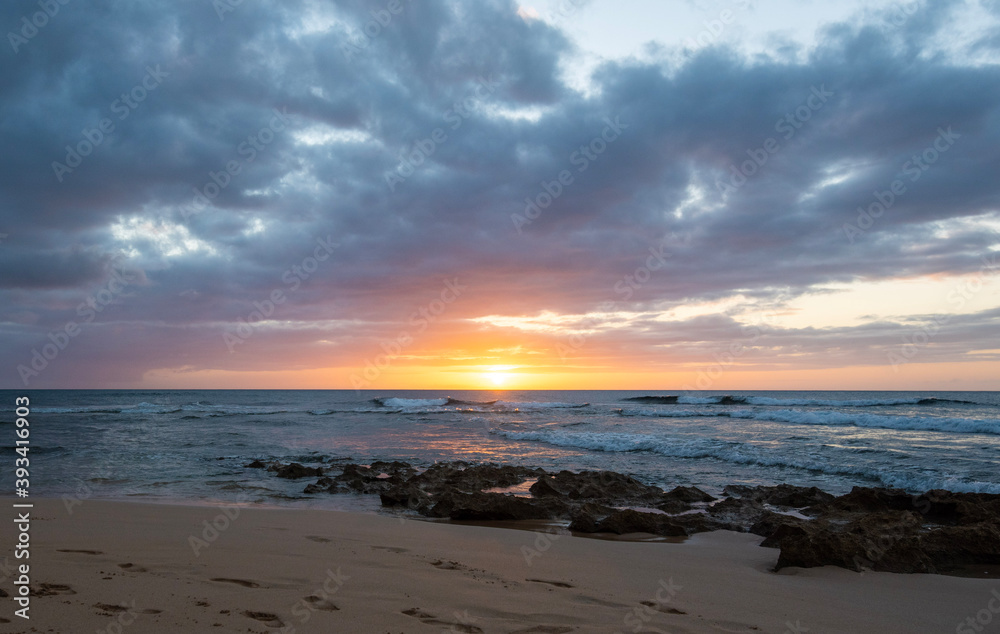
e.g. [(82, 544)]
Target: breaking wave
[(740, 453), (846, 419), (728, 399)]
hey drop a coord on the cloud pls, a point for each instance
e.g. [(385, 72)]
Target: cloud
[(363, 102)]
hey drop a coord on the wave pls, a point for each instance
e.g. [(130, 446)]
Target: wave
[(429, 405), (141, 408), (455, 401), (741, 453), (729, 399), (539, 405), (153, 408), (410, 402), (655, 400), (838, 419)]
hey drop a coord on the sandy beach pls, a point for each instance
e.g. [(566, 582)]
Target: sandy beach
[(127, 567)]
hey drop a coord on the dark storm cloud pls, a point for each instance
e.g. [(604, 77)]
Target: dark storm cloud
[(358, 94)]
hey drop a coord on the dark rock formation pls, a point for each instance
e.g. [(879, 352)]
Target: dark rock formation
[(629, 521), (495, 506), (606, 486), (783, 495), (868, 528), (295, 470)]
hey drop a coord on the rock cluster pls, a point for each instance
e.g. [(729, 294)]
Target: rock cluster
[(880, 529)]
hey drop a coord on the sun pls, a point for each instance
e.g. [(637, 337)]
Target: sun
[(498, 379), (497, 376)]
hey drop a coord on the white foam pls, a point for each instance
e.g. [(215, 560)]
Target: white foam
[(407, 403), (741, 453), (853, 419)]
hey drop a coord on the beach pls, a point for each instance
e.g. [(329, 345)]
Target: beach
[(112, 566)]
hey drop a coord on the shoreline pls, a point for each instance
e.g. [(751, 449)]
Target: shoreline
[(371, 573)]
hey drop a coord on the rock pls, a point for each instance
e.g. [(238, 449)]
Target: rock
[(689, 494), (586, 516), (769, 523), (605, 486), (630, 521), (323, 485), (784, 495), (680, 499), (363, 479), (256, 464), (497, 506), (866, 500), (672, 506), (953, 548), (886, 541), (296, 470), (461, 476), (409, 496), (392, 468), (544, 488), (737, 514), (958, 509)]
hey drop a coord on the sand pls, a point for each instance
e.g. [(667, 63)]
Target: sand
[(325, 571)]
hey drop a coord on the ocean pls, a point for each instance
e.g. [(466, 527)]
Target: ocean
[(176, 446)]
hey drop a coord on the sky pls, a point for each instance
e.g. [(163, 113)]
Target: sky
[(556, 194)]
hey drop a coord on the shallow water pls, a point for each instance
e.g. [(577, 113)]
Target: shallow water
[(191, 445)]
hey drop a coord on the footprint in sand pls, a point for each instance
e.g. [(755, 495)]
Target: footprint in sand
[(546, 629), (50, 589), (558, 584), (391, 549), (321, 540), (268, 619), (319, 603), (239, 582), (662, 608), (114, 609), (132, 568), (733, 627), (447, 565), (430, 619), (79, 552), (582, 598)]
